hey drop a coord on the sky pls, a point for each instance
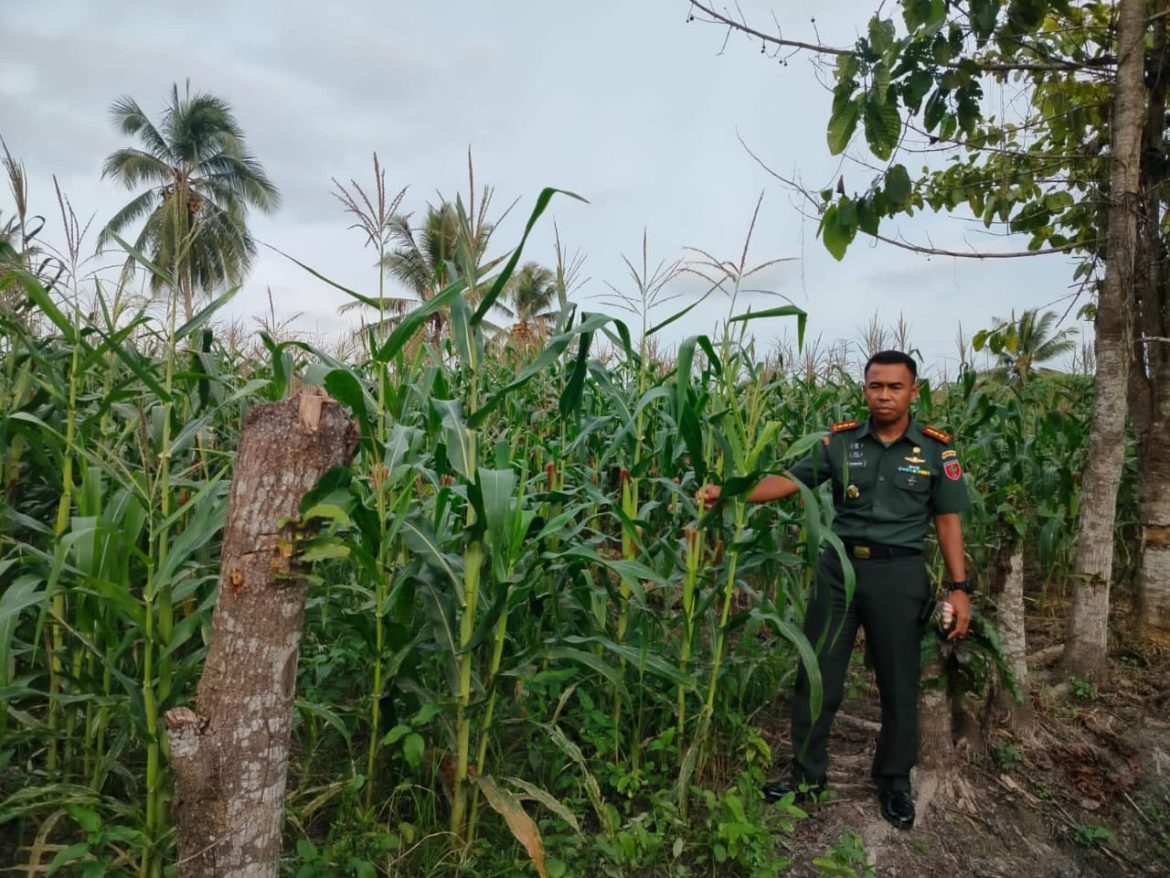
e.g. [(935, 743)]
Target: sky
[(638, 110)]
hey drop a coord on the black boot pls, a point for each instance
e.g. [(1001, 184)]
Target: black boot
[(802, 791), (897, 807)]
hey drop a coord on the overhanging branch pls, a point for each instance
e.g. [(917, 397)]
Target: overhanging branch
[(1060, 65), (924, 249)]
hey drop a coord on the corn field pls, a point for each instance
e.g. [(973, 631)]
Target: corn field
[(526, 650)]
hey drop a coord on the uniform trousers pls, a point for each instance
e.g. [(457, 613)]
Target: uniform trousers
[(887, 602)]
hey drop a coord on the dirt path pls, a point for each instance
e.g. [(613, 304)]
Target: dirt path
[(1087, 794)]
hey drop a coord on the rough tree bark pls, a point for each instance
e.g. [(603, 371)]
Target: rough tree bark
[(1010, 614), (1010, 619), (936, 737), (1150, 368), (1088, 627), (230, 753)]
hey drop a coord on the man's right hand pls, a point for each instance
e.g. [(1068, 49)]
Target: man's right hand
[(707, 495)]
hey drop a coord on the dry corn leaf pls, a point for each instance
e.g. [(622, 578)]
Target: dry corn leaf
[(523, 827)]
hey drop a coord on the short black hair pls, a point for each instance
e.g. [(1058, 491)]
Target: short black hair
[(892, 358)]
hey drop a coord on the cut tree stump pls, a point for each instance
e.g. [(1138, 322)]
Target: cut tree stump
[(230, 751)]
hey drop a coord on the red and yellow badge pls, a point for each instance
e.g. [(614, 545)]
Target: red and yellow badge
[(953, 470)]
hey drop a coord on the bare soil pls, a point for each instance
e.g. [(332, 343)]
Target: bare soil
[(1080, 788)]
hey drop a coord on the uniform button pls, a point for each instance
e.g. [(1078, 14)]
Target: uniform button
[(881, 478)]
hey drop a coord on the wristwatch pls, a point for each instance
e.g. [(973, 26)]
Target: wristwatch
[(963, 585)]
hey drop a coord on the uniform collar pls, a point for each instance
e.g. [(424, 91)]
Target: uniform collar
[(913, 432)]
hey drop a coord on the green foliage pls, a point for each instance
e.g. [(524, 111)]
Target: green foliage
[(1006, 755), (1083, 690), (1091, 835), (1039, 171), (846, 859), (513, 592)]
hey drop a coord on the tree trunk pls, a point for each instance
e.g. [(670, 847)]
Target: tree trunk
[(230, 754), (1154, 565), (1150, 379), (1009, 615), (936, 737), (1088, 626)]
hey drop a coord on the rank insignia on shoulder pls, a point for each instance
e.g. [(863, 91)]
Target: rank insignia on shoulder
[(842, 426), (935, 433)]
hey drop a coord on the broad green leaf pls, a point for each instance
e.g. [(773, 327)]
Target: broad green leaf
[(322, 712), (398, 445), (344, 386), (422, 541), (983, 15), (804, 649), (441, 609), (460, 440), (591, 661), (883, 126), (542, 201), (842, 124), (897, 186), (41, 297), (652, 663), (881, 82), (414, 320), (570, 401), (67, 855), (836, 236), (881, 34), (334, 483), (21, 594), (199, 320), (462, 333), (550, 355), (498, 487), (142, 259), (627, 569), (781, 311)]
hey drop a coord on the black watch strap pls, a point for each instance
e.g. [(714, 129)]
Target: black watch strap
[(963, 585)]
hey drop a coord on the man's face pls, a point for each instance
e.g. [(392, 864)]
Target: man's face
[(889, 390)]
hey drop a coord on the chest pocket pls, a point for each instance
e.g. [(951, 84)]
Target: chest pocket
[(857, 479), (914, 478)]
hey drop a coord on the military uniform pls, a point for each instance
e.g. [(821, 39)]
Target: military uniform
[(885, 497)]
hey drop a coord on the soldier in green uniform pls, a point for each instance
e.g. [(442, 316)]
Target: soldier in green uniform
[(891, 477)]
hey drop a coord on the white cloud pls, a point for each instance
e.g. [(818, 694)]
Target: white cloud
[(624, 103)]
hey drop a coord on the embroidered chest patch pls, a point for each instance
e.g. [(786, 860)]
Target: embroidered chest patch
[(953, 470)]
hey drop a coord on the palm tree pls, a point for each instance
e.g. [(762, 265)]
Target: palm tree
[(200, 183), (425, 258), (1022, 345), (532, 291)]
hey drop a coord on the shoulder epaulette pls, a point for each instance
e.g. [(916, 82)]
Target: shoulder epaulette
[(935, 433), (842, 426)]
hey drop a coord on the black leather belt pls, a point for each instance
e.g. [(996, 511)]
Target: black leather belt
[(878, 551)]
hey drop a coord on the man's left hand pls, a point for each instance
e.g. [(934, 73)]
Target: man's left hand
[(962, 607)]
